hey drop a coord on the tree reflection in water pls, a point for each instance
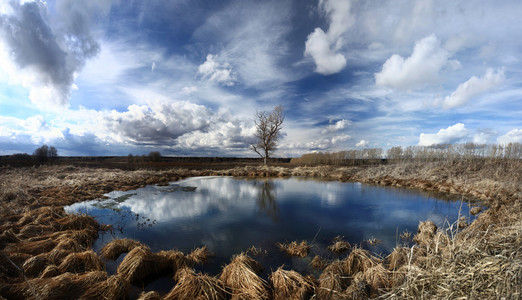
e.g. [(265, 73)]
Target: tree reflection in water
[(266, 201)]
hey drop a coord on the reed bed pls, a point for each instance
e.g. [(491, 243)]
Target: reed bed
[(290, 285), (359, 260), (241, 278), (196, 286), (339, 245), (295, 249), (115, 248), (333, 281)]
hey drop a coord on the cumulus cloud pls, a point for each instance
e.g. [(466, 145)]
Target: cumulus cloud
[(420, 68), (362, 143), (339, 125), (473, 87), (157, 122), (514, 136), (449, 135), (44, 52), (324, 47), (212, 70)]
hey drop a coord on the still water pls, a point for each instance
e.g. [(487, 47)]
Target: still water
[(229, 215)]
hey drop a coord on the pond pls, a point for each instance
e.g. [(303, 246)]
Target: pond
[(230, 215)]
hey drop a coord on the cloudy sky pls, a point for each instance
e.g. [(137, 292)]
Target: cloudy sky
[(185, 77)]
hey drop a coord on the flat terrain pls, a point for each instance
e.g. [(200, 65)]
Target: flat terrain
[(46, 254)]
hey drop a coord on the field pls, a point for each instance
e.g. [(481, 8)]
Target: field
[(46, 254)]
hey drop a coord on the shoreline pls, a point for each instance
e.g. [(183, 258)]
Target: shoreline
[(34, 225)]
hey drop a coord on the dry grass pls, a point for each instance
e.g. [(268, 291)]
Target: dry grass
[(398, 258), (81, 262), (115, 248), (196, 286), (377, 278), (114, 287), (333, 281), (318, 262), (359, 260), (241, 278), (290, 285), (152, 295), (200, 255), (339, 245), (139, 264), (295, 249)]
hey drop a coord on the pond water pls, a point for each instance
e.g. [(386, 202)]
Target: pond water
[(229, 215)]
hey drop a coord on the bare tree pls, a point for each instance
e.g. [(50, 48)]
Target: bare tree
[(268, 127)]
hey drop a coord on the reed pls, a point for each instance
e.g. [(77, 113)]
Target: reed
[(295, 249), (339, 245), (196, 286), (241, 278), (290, 285), (116, 247)]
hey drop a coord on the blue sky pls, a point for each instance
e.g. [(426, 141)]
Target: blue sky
[(104, 77)]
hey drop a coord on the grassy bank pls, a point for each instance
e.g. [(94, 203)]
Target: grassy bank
[(46, 253)]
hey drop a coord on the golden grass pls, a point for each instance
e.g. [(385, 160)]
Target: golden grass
[(191, 286), (115, 248), (81, 262), (200, 255), (339, 246), (290, 285), (359, 260), (241, 278), (152, 295), (377, 278), (333, 281), (295, 249), (114, 288), (139, 264), (318, 262)]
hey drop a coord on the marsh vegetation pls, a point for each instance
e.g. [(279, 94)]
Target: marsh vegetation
[(47, 253)]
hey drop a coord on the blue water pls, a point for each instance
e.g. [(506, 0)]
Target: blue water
[(229, 215)]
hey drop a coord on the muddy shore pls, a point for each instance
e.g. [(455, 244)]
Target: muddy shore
[(46, 254)]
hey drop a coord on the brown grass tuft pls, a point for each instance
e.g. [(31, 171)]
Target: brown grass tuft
[(339, 246), (318, 262), (50, 271), (200, 255), (114, 288), (377, 278), (35, 265), (295, 249), (152, 295), (81, 262), (196, 286), (290, 285), (359, 260), (115, 248), (240, 276), (138, 264), (333, 281), (397, 258), (425, 233)]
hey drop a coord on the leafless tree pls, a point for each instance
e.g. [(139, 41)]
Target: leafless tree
[(268, 127)]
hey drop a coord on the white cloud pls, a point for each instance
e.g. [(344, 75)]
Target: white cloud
[(339, 125), (362, 143), (421, 68), (324, 47), (217, 72), (450, 135), (514, 136), (473, 87)]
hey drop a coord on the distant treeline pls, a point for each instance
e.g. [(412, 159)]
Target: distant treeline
[(512, 151)]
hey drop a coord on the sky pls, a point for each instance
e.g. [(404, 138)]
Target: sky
[(186, 77)]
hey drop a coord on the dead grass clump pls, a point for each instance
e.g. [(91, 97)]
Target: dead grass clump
[(85, 237), (32, 247), (240, 276), (425, 233), (138, 264), (290, 285), (114, 287), (398, 258), (8, 236), (31, 230), (50, 271), (76, 222), (196, 286), (81, 262), (377, 278), (318, 262), (333, 281), (295, 249), (200, 255), (462, 223), (152, 295), (175, 261), (475, 210), (115, 248), (35, 265), (339, 246), (359, 260)]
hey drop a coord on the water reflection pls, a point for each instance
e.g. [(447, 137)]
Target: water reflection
[(230, 215)]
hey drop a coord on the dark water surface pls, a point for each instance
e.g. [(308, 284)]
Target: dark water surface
[(229, 215)]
